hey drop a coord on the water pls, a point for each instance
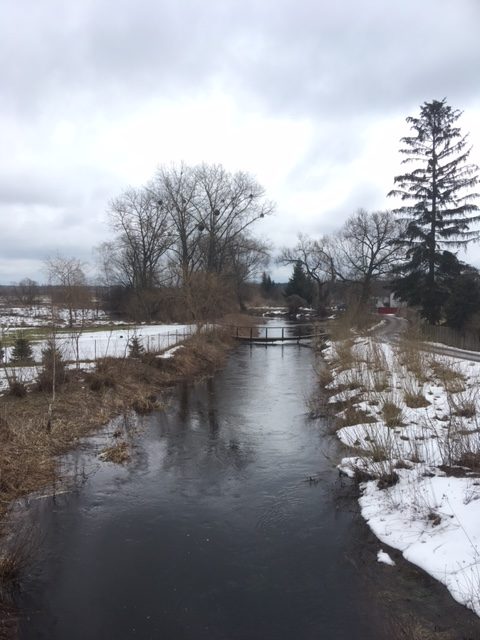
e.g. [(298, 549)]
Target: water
[(214, 530)]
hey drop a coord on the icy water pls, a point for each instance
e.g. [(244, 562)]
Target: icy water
[(214, 531)]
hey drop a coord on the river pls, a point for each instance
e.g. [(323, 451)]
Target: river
[(227, 524)]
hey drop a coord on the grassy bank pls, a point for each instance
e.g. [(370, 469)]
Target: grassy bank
[(410, 420)]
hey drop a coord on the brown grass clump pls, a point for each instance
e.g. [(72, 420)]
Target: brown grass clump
[(144, 404), (392, 414), (17, 388), (353, 415), (118, 453), (415, 400), (387, 480), (469, 459), (411, 356), (324, 375), (448, 375), (344, 358)]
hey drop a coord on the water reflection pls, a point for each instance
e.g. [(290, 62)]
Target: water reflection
[(212, 531)]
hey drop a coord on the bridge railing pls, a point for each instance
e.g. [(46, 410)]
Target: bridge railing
[(269, 333)]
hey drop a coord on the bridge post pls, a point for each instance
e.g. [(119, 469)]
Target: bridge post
[(251, 333), (283, 329), (266, 334)]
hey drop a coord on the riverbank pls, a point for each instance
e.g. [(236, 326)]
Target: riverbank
[(410, 421)]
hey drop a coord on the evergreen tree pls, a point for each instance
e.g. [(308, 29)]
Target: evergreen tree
[(22, 350), (299, 283), (439, 207), (464, 299), (54, 373), (267, 285), (135, 348)]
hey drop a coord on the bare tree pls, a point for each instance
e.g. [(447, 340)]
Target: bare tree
[(317, 259), (142, 224), (175, 187), (226, 205), (366, 248), (248, 257), (209, 209), (68, 275), (27, 292)]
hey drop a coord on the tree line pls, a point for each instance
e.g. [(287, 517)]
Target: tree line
[(414, 248), (184, 242), (188, 233)]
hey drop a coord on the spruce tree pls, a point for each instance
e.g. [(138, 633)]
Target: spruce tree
[(135, 348), (22, 351), (299, 283), (267, 284), (439, 207)]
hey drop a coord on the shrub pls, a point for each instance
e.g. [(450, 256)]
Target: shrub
[(99, 380), (17, 388)]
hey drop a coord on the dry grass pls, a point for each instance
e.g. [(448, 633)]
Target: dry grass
[(415, 400), (118, 453), (392, 414), (449, 376), (352, 415), (344, 357), (411, 356)]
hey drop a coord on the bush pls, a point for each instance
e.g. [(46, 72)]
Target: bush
[(17, 388), (98, 381)]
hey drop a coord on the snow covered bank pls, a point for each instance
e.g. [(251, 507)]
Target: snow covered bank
[(412, 423)]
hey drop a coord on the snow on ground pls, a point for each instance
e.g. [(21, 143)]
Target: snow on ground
[(419, 465), (83, 349), (41, 316), (170, 353), (91, 345)]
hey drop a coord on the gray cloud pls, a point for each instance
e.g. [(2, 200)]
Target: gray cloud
[(339, 66)]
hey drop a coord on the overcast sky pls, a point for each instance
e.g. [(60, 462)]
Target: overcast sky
[(309, 96)]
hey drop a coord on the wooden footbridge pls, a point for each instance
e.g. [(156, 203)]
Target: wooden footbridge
[(268, 334)]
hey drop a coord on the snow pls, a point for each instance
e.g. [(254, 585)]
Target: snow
[(169, 354), (84, 347), (382, 556), (412, 502), (91, 345), (41, 316)]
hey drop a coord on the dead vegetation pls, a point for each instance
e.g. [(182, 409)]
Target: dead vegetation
[(33, 433), (118, 453)]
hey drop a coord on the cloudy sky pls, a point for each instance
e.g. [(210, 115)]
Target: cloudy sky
[(309, 96)]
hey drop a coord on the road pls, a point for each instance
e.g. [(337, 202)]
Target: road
[(392, 326)]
